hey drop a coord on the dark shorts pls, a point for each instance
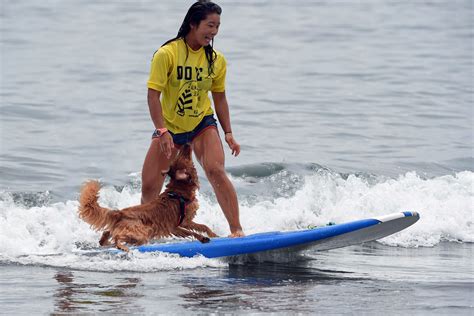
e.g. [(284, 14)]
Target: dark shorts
[(185, 138)]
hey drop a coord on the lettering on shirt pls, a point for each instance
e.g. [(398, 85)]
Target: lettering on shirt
[(186, 73), (191, 88)]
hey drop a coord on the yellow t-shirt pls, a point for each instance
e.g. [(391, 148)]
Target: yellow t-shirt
[(184, 81)]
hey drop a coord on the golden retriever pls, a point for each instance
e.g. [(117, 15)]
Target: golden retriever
[(170, 214)]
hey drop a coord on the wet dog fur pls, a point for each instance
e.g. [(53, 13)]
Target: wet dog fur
[(137, 225)]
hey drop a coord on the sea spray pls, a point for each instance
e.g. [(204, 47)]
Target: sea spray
[(53, 235)]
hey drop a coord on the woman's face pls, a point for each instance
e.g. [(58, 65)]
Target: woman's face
[(207, 29)]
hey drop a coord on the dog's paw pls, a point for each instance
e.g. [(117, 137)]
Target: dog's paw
[(122, 247)]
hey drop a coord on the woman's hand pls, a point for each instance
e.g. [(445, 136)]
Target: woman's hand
[(233, 145), (166, 144)]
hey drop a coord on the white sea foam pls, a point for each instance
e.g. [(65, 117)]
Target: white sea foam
[(53, 235), (445, 204)]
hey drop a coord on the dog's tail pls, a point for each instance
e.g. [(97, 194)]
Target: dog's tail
[(90, 210)]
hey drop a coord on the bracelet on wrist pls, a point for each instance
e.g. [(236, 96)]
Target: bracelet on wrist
[(161, 131)]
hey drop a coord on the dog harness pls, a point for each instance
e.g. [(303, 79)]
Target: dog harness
[(182, 205)]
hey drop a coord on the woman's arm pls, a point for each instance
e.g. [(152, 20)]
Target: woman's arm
[(154, 105), (223, 114)]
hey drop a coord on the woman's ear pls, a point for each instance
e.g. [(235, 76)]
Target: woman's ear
[(192, 26)]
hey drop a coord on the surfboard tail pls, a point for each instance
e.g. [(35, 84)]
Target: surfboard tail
[(90, 210)]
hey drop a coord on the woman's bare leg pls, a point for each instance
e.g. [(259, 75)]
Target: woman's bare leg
[(152, 178), (209, 151)]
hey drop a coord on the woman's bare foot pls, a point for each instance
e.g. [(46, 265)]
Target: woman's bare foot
[(237, 233)]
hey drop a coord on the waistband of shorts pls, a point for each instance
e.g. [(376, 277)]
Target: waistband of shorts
[(207, 122)]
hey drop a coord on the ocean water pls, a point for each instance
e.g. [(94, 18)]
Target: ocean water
[(344, 109)]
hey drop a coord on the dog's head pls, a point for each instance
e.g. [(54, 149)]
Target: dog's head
[(182, 168)]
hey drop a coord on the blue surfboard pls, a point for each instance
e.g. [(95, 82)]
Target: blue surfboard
[(321, 238)]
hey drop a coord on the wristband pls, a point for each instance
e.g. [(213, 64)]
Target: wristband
[(161, 131), (225, 133)]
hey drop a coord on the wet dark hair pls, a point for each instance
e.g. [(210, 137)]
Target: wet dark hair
[(196, 13)]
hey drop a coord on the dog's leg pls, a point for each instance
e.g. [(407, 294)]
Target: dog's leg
[(181, 232), (199, 228), (104, 240), (121, 245)]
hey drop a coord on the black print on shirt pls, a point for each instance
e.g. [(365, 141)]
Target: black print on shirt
[(183, 101), (186, 73), (191, 89), (198, 73), (189, 96)]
